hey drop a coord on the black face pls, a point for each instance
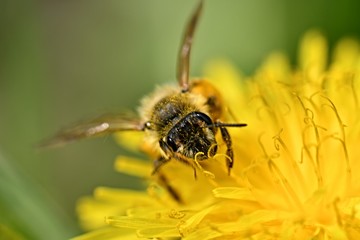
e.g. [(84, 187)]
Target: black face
[(191, 135)]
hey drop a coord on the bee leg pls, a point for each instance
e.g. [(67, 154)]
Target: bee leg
[(169, 152), (171, 190), (159, 163), (184, 160), (229, 151)]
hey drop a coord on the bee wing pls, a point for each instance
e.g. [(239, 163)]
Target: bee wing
[(102, 125), (183, 68)]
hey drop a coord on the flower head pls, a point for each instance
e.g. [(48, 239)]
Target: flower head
[(296, 163)]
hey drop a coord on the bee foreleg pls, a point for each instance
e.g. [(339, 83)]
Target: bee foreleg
[(158, 163), (185, 160), (229, 151), (169, 152), (172, 191)]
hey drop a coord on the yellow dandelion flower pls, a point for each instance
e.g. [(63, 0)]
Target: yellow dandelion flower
[(295, 174)]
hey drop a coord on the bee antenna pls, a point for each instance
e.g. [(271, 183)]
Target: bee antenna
[(183, 68), (220, 124)]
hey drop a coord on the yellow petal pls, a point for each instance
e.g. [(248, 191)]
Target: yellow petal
[(108, 233), (346, 55), (158, 232), (234, 193), (228, 81), (129, 139), (190, 224), (313, 56), (139, 223), (133, 166)]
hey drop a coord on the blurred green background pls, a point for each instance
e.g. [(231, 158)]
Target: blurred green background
[(64, 61)]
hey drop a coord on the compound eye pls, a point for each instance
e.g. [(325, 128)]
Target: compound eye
[(171, 143), (203, 117)]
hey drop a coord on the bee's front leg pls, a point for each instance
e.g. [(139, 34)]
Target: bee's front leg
[(158, 163), (171, 154), (229, 150)]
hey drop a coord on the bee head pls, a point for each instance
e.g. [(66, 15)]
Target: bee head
[(191, 135)]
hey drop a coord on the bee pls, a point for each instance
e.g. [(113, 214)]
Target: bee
[(179, 123)]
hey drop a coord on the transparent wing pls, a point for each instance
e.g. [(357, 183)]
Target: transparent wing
[(103, 125)]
